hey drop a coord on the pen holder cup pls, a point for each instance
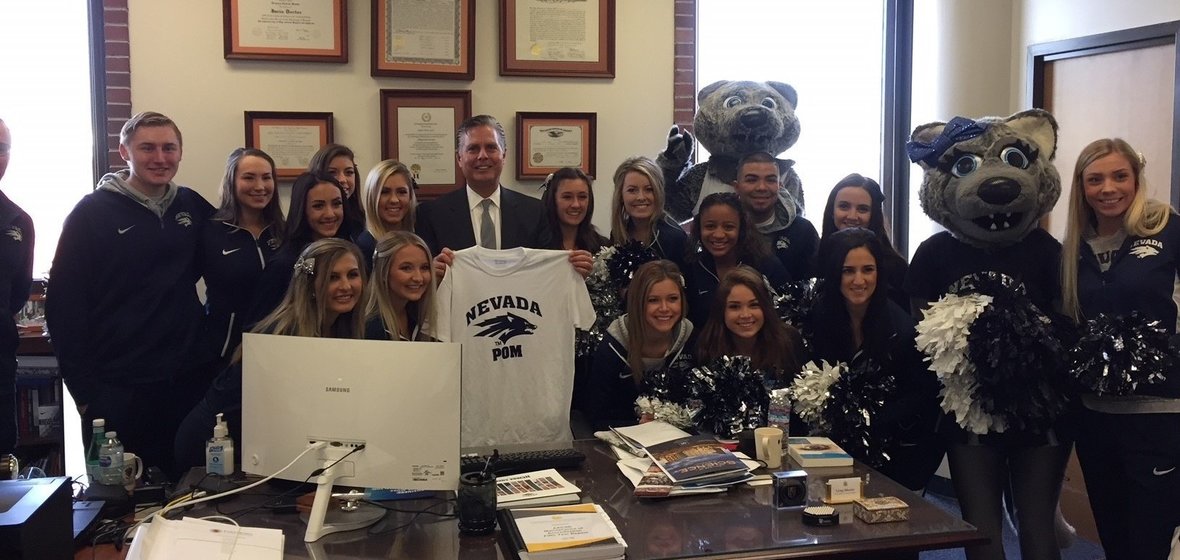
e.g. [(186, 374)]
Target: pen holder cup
[(477, 503)]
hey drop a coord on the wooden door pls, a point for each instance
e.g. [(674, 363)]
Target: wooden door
[(1119, 84)]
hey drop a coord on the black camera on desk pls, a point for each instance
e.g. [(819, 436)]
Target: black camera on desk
[(790, 489)]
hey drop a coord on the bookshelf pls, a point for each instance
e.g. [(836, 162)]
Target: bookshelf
[(39, 402)]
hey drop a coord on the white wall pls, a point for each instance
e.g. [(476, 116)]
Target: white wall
[(962, 57), (178, 68), (1041, 21), (970, 56)]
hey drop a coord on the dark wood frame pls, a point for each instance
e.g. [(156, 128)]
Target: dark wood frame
[(253, 119), (465, 70), (337, 54), (588, 122), (897, 95), (1115, 41), (393, 99), (512, 65)]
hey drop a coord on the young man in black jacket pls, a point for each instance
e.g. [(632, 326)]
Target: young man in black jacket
[(122, 305)]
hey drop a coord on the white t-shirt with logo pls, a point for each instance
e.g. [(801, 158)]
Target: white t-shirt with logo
[(514, 311)]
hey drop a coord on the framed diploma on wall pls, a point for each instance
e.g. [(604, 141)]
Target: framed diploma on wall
[(416, 39), (418, 129), (550, 141), (563, 39), (290, 138), (287, 30)]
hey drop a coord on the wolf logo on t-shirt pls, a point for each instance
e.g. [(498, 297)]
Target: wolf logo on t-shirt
[(505, 327)]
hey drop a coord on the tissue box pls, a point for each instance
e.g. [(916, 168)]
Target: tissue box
[(881, 510)]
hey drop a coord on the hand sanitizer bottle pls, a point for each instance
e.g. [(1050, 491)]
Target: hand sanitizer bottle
[(219, 450)]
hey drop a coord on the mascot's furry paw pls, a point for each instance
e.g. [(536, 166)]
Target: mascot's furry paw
[(678, 151)]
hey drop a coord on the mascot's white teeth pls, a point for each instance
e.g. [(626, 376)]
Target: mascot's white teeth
[(999, 221)]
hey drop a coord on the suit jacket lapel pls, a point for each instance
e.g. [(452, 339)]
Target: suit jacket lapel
[(508, 236), (463, 232)]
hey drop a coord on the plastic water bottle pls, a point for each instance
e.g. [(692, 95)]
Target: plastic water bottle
[(97, 438), (110, 460)]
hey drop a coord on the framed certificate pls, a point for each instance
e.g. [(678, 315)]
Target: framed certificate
[(550, 141), (563, 39), (416, 39), (288, 30), (288, 137), (418, 129)]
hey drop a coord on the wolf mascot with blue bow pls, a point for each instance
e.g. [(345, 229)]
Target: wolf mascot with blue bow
[(989, 284)]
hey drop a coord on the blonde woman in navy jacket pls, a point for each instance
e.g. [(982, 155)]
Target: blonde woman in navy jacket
[(1121, 255), (390, 202), (402, 296), (637, 211)]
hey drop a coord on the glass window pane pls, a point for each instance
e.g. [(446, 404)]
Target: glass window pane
[(45, 102), (831, 52)]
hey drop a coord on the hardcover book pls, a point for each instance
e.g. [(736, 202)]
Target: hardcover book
[(573, 532), (537, 488), (817, 452)]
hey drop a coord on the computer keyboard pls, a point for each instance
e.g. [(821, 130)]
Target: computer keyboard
[(523, 461)]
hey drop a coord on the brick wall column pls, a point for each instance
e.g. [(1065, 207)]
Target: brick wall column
[(111, 80), (684, 86)]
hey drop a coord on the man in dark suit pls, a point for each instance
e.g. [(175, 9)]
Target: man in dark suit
[(483, 213)]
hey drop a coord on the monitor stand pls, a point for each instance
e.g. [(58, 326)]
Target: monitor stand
[(354, 515)]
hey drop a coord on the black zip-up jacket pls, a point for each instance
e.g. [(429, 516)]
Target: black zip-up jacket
[(232, 261), (1142, 277), (16, 260), (611, 391), (122, 302)]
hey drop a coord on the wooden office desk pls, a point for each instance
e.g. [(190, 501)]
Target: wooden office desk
[(740, 523)]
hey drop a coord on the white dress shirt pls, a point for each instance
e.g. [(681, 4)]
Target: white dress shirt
[(473, 205)]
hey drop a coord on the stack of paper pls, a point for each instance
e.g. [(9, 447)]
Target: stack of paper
[(537, 488), (195, 539), (575, 532), (640, 436)]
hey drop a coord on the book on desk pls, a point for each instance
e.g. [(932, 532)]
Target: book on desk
[(817, 452), (571, 532), (538, 488)]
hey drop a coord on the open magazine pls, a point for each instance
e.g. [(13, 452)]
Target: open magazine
[(697, 460), (679, 463)]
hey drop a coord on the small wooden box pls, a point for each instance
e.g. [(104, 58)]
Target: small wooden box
[(881, 510)]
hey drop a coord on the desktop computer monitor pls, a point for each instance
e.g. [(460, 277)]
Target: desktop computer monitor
[(399, 400)]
